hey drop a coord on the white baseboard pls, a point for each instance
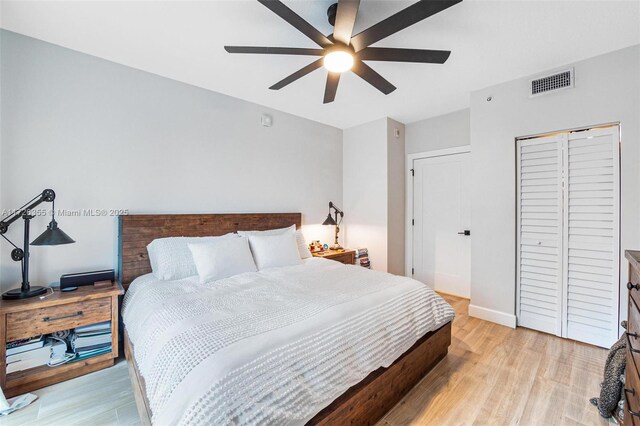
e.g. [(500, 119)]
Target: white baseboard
[(487, 314)]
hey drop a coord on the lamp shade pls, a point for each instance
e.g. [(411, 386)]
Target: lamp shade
[(52, 236), (329, 220)]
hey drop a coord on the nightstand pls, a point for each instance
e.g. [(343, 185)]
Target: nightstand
[(20, 319), (346, 256)]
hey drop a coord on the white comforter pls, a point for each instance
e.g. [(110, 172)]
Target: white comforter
[(271, 347)]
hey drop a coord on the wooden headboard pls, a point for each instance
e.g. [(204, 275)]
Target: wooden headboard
[(135, 232)]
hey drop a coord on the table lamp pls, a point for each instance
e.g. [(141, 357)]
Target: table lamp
[(52, 236), (339, 214)]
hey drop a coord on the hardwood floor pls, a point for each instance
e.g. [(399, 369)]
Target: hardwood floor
[(100, 398), (493, 375)]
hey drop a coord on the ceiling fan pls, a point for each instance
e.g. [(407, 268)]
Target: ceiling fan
[(342, 51)]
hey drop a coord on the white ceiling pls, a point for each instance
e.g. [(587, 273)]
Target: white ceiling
[(491, 41)]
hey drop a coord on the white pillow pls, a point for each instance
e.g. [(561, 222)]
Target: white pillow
[(270, 251), (171, 258), (278, 231), (223, 258), (303, 249)]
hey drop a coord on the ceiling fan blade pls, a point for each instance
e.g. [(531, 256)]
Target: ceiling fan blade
[(274, 50), (333, 78), (298, 74), (367, 73), (345, 19), (280, 9), (404, 55), (401, 20)]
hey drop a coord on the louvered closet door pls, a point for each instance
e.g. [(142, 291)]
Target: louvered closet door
[(540, 234), (592, 236), (568, 234)]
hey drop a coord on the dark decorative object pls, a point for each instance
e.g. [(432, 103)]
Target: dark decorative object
[(339, 214), (70, 282), (611, 388), (52, 236)]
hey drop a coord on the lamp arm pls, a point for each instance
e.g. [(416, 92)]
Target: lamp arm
[(333, 206), (48, 195), (337, 212)]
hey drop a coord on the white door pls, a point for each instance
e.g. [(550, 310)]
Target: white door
[(568, 234), (592, 248), (540, 266), (441, 214)]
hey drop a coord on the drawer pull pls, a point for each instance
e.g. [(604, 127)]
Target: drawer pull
[(632, 286), (49, 319), (634, 335), (631, 348), (632, 391)]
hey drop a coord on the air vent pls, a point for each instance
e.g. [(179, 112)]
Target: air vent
[(552, 83)]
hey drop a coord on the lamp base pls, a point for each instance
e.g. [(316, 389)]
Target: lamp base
[(336, 247), (17, 293)]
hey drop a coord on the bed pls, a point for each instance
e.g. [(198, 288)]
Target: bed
[(315, 343)]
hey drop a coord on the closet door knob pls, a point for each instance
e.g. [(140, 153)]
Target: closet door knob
[(632, 286)]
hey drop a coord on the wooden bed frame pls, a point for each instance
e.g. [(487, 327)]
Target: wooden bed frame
[(362, 404)]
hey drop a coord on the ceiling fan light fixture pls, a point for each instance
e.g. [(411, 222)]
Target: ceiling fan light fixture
[(338, 61), (338, 52)]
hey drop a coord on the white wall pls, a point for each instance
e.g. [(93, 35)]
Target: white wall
[(607, 89), (105, 136), (395, 197), (444, 131), (365, 190), (2, 252), (374, 195)]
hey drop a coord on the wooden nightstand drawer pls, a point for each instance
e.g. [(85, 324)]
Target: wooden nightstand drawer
[(34, 322), (348, 257)]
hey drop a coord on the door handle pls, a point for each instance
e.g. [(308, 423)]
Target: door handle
[(465, 232)]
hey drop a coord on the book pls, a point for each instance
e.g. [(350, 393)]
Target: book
[(34, 357), (93, 333), (106, 325), (25, 364), (23, 345), (88, 354), (92, 348), (362, 258), (79, 341)]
